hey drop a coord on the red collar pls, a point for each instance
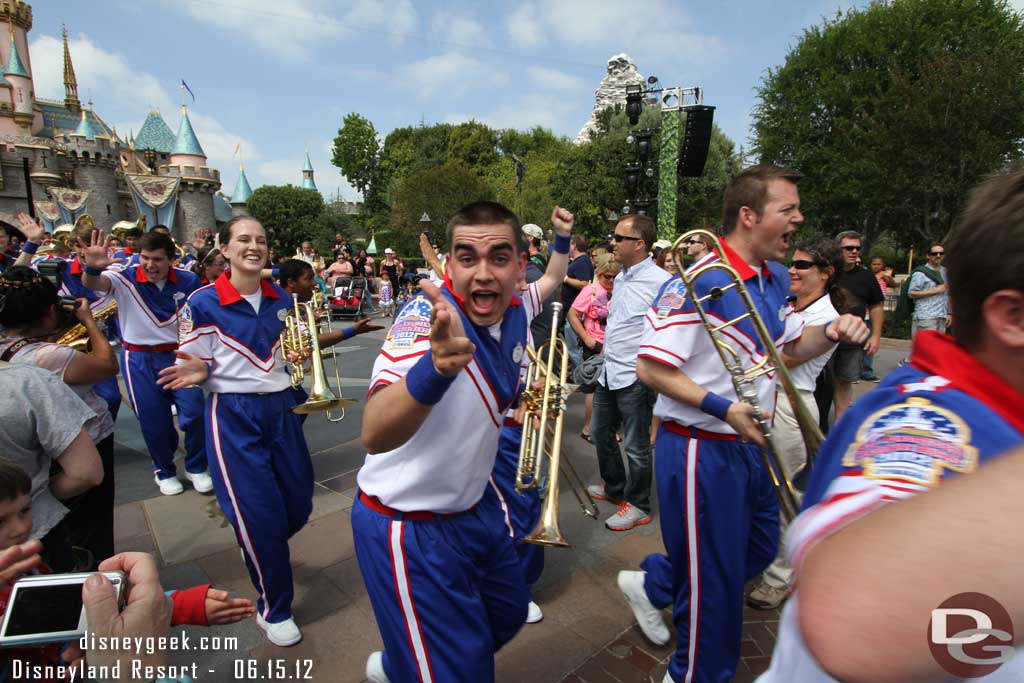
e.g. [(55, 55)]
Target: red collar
[(140, 275), (516, 301), (227, 294), (938, 354), (128, 252), (75, 268), (741, 266)]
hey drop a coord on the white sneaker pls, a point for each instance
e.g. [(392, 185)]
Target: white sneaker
[(170, 486), (201, 481), (282, 634), (647, 615), (533, 613), (627, 517), (375, 668)]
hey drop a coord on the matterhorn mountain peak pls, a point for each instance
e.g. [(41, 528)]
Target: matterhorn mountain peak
[(621, 71)]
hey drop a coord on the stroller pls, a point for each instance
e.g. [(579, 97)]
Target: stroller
[(351, 297)]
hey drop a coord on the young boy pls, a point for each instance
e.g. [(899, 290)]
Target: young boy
[(198, 606)]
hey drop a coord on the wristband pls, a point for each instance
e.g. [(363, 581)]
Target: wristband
[(348, 332), (562, 243), (425, 384), (715, 405), (29, 248), (93, 271)]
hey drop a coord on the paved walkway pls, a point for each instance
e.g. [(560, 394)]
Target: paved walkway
[(587, 634)]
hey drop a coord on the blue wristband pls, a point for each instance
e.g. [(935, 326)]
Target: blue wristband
[(715, 405), (94, 271), (562, 243), (348, 332), (424, 383), (30, 248)]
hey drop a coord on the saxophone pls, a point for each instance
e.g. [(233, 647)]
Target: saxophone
[(76, 337)]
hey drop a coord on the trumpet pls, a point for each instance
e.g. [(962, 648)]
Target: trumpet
[(743, 379), (121, 227), (542, 434), (76, 337), (299, 338)]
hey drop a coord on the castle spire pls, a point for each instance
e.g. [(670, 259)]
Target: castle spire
[(14, 65), (307, 174), (186, 142), (70, 83), (242, 190)]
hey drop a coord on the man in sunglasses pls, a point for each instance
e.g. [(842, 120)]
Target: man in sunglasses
[(863, 299), (928, 291)]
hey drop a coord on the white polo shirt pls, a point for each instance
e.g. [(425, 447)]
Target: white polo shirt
[(447, 463), (148, 314)]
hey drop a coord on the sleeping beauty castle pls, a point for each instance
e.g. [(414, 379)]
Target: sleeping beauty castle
[(62, 160)]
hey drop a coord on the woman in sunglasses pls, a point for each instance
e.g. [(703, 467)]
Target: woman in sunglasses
[(814, 274)]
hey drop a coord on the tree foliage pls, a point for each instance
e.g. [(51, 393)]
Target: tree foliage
[(287, 212), (356, 151), (894, 112)]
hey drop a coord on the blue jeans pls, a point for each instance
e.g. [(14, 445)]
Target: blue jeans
[(573, 342), (631, 408)]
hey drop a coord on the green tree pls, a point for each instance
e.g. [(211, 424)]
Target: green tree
[(357, 153), (895, 111), (439, 192), (474, 144), (288, 213)]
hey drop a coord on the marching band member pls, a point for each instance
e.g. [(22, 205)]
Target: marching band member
[(297, 277), (431, 538), (148, 298), (719, 512), (71, 286), (261, 467), (210, 263), (865, 546), (128, 255)]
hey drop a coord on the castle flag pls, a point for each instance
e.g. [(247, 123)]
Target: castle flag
[(185, 86)]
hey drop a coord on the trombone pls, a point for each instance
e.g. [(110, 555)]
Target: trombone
[(542, 434), (743, 379), (299, 337)]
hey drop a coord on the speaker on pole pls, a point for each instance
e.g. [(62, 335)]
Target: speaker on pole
[(696, 140)]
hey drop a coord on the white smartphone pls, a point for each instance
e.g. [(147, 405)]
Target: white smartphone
[(48, 608)]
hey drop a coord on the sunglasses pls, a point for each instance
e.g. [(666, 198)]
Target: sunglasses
[(618, 238), (850, 247), (690, 243), (936, 253), (801, 264)]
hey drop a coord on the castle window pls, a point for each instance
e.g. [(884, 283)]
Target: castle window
[(85, 155), (43, 157), (108, 209)]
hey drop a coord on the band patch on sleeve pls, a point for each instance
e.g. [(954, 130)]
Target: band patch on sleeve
[(672, 298), (412, 325), (913, 441), (185, 321)]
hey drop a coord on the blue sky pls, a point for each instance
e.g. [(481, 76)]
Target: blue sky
[(278, 76)]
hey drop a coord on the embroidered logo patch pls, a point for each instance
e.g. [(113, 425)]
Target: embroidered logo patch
[(282, 314), (672, 298), (185, 322), (517, 353), (914, 442), (412, 325)]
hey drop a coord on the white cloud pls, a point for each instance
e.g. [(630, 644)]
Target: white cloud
[(454, 71), (552, 79), (125, 95), (657, 29), (524, 27), (291, 29), (459, 29)]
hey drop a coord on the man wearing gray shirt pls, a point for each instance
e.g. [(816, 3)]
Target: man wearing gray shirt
[(41, 423), (620, 400), (928, 290)]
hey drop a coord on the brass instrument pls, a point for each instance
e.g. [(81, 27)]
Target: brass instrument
[(542, 433), (743, 379), (76, 337), (300, 338), (121, 227), (62, 233)]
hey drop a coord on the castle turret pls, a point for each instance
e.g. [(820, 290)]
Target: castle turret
[(23, 96), (198, 182), (307, 175), (95, 156), (240, 195), (70, 82), (186, 149)]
